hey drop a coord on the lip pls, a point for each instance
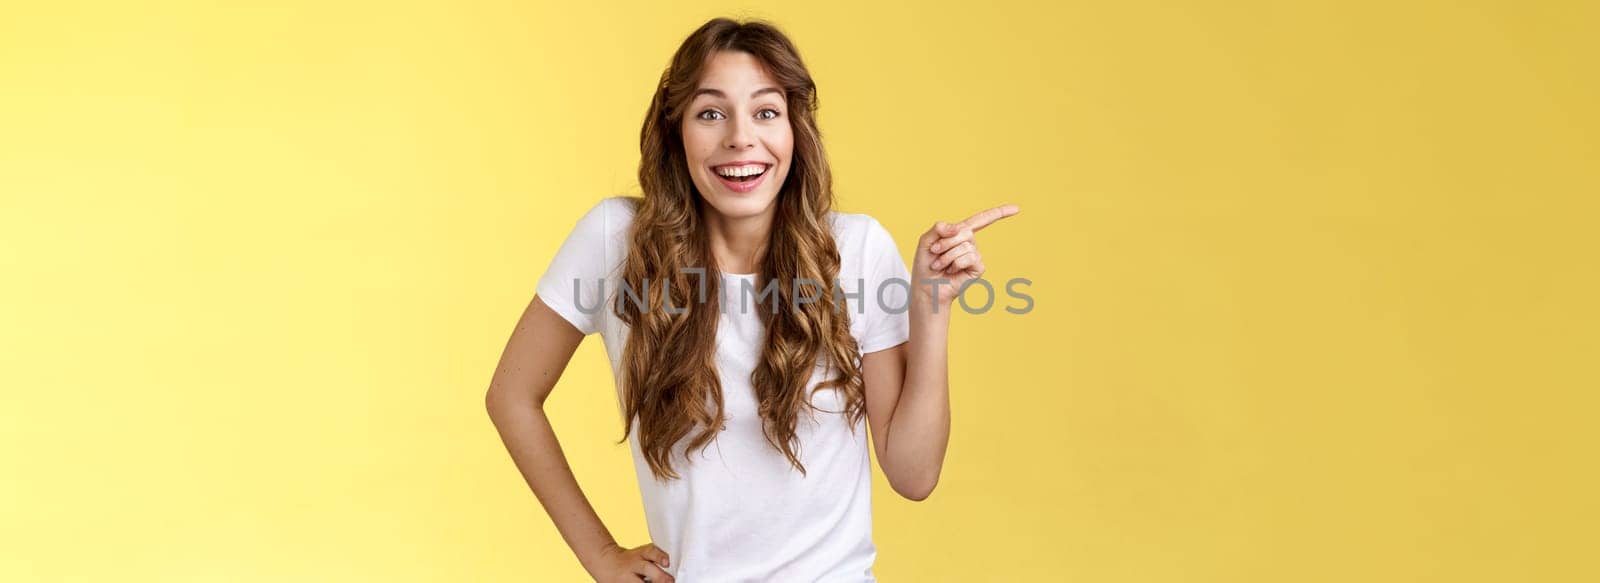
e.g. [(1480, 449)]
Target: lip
[(742, 186)]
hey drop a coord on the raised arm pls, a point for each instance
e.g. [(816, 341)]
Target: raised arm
[(908, 386), (533, 360)]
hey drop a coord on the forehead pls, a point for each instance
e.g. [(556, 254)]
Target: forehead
[(735, 73)]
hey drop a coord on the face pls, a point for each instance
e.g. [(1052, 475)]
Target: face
[(737, 137)]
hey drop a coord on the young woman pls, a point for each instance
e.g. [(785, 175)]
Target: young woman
[(744, 402)]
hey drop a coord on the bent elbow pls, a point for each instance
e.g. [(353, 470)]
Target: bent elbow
[(492, 400), (917, 492), (497, 401), (491, 403)]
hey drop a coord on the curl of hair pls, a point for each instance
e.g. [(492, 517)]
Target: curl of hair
[(669, 377)]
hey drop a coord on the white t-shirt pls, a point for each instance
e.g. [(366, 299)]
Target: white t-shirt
[(740, 511)]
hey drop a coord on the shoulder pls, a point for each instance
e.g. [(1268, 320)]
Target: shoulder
[(608, 218), (861, 239), (598, 237), (858, 232), (616, 209), (619, 205), (866, 248)]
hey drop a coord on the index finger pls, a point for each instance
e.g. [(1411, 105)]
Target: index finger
[(984, 218)]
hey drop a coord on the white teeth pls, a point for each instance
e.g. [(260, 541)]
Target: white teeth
[(737, 171)]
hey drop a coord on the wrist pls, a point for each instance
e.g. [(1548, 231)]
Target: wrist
[(592, 560), (935, 303)]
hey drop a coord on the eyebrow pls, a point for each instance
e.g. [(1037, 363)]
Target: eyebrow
[(719, 94)]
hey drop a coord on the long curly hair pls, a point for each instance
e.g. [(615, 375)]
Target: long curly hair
[(669, 377)]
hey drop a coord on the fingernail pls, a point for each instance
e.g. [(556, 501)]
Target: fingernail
[(936, 265), (935, 247)]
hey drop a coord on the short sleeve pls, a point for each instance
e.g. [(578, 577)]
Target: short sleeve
[(573, 282), (886, 291)]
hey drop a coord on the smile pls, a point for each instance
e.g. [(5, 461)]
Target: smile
[(742, 176)]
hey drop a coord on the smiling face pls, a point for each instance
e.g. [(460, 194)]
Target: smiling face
[(736, 136)]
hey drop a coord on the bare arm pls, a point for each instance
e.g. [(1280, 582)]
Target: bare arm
[(533, 360), (908, 386), (908, 403)]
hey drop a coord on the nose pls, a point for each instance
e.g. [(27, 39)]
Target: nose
[(741, 135)]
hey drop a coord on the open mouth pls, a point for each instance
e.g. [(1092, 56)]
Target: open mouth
[(742, 177), (741, 172)]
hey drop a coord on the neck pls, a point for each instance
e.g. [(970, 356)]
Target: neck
[(738, 244)]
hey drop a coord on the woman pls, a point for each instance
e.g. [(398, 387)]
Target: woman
[(742, 381)]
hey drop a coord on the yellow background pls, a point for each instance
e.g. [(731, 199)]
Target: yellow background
[(1314, 281)]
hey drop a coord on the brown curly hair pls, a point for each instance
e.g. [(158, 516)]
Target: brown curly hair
[(669, 377)]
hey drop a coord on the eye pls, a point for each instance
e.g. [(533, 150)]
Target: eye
[(774, 113), (702, 115)]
